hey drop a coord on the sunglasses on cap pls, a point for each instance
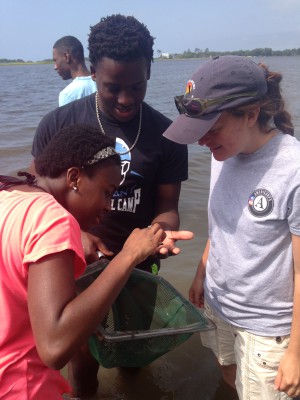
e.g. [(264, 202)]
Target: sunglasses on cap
[(194, 107)]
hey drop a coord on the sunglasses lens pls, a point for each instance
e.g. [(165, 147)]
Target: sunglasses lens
[(192, 107), (187, 106)]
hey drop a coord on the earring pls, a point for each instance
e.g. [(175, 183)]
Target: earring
[(75, 188)]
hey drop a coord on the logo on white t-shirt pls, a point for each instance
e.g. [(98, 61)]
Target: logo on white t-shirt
[(260, 203)]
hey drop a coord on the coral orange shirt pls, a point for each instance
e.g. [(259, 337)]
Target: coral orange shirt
[(32, 225)]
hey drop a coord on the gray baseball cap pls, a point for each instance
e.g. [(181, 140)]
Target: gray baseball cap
[(219, 84)]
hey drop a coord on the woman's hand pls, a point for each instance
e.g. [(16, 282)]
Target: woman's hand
[(91, 245), (288, 376), (144, 242)]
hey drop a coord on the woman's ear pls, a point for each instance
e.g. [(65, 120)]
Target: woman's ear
[(253, 116), (73, 176)]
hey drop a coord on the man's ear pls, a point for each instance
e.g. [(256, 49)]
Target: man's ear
[(93, 72), (148, 72), (67, 57)]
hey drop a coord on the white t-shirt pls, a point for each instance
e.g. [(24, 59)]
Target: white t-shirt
[(80, 87), (254, 207)]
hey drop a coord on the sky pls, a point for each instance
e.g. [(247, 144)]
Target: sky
[(29, 28)]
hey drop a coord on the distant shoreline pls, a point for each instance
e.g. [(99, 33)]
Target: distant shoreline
[(158, 59), (6, 64), (17, 63)]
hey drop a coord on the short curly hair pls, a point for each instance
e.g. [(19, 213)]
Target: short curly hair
[(120, 38), (74, 146), (72, 45)]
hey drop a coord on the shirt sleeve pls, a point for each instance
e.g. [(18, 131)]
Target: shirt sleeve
[(62, 99), (65, 98), (294, 210), (49, 229)]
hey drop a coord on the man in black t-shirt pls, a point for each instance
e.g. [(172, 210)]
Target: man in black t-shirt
[(152, 166), (121, 52)]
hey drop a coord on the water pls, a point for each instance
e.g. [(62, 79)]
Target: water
[(27, 94)]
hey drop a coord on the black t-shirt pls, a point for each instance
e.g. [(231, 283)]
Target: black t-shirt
[(154, 160)]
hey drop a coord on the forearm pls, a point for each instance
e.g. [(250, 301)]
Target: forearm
[(295, 329), (166, 210), (61, 322), (70, 326), (168, 220), (91, 307), (288, 375), (201, 270), (196, 292)]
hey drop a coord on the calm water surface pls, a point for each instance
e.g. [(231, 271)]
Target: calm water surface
[(27, 94)]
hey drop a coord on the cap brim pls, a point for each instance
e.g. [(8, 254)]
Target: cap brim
[(187, 130)]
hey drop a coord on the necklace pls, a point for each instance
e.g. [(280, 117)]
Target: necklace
[(103, 131)]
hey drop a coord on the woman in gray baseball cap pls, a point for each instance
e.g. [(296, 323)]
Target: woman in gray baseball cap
[(248, 278)]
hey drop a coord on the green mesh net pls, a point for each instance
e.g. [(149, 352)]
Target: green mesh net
[(148, 319)]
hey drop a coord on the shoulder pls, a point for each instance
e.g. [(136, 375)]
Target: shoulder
[(70, 108), (78, 111), (68, 88), (40, 207), (156, 117), (289, 146), (80, 87), (83, 79), (81, 82), (289, 139), (42, 217), (158, 123), (40, 200), (50, 214)]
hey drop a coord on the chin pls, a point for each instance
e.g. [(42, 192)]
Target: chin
[(219, 157)]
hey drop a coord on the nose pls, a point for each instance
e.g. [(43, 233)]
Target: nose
[(203, 140), (125, 98), (55, 67)]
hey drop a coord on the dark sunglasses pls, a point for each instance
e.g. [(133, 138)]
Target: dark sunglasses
[(194, 107)]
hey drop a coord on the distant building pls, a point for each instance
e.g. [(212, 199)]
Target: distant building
[(165, 55)]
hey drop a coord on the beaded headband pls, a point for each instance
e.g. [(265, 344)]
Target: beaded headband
[(102, 154)]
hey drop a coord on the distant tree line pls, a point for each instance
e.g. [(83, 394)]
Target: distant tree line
[(20, 61), (6, 60), (198, 53)]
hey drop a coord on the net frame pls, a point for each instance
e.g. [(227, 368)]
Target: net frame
[(115, 344)]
